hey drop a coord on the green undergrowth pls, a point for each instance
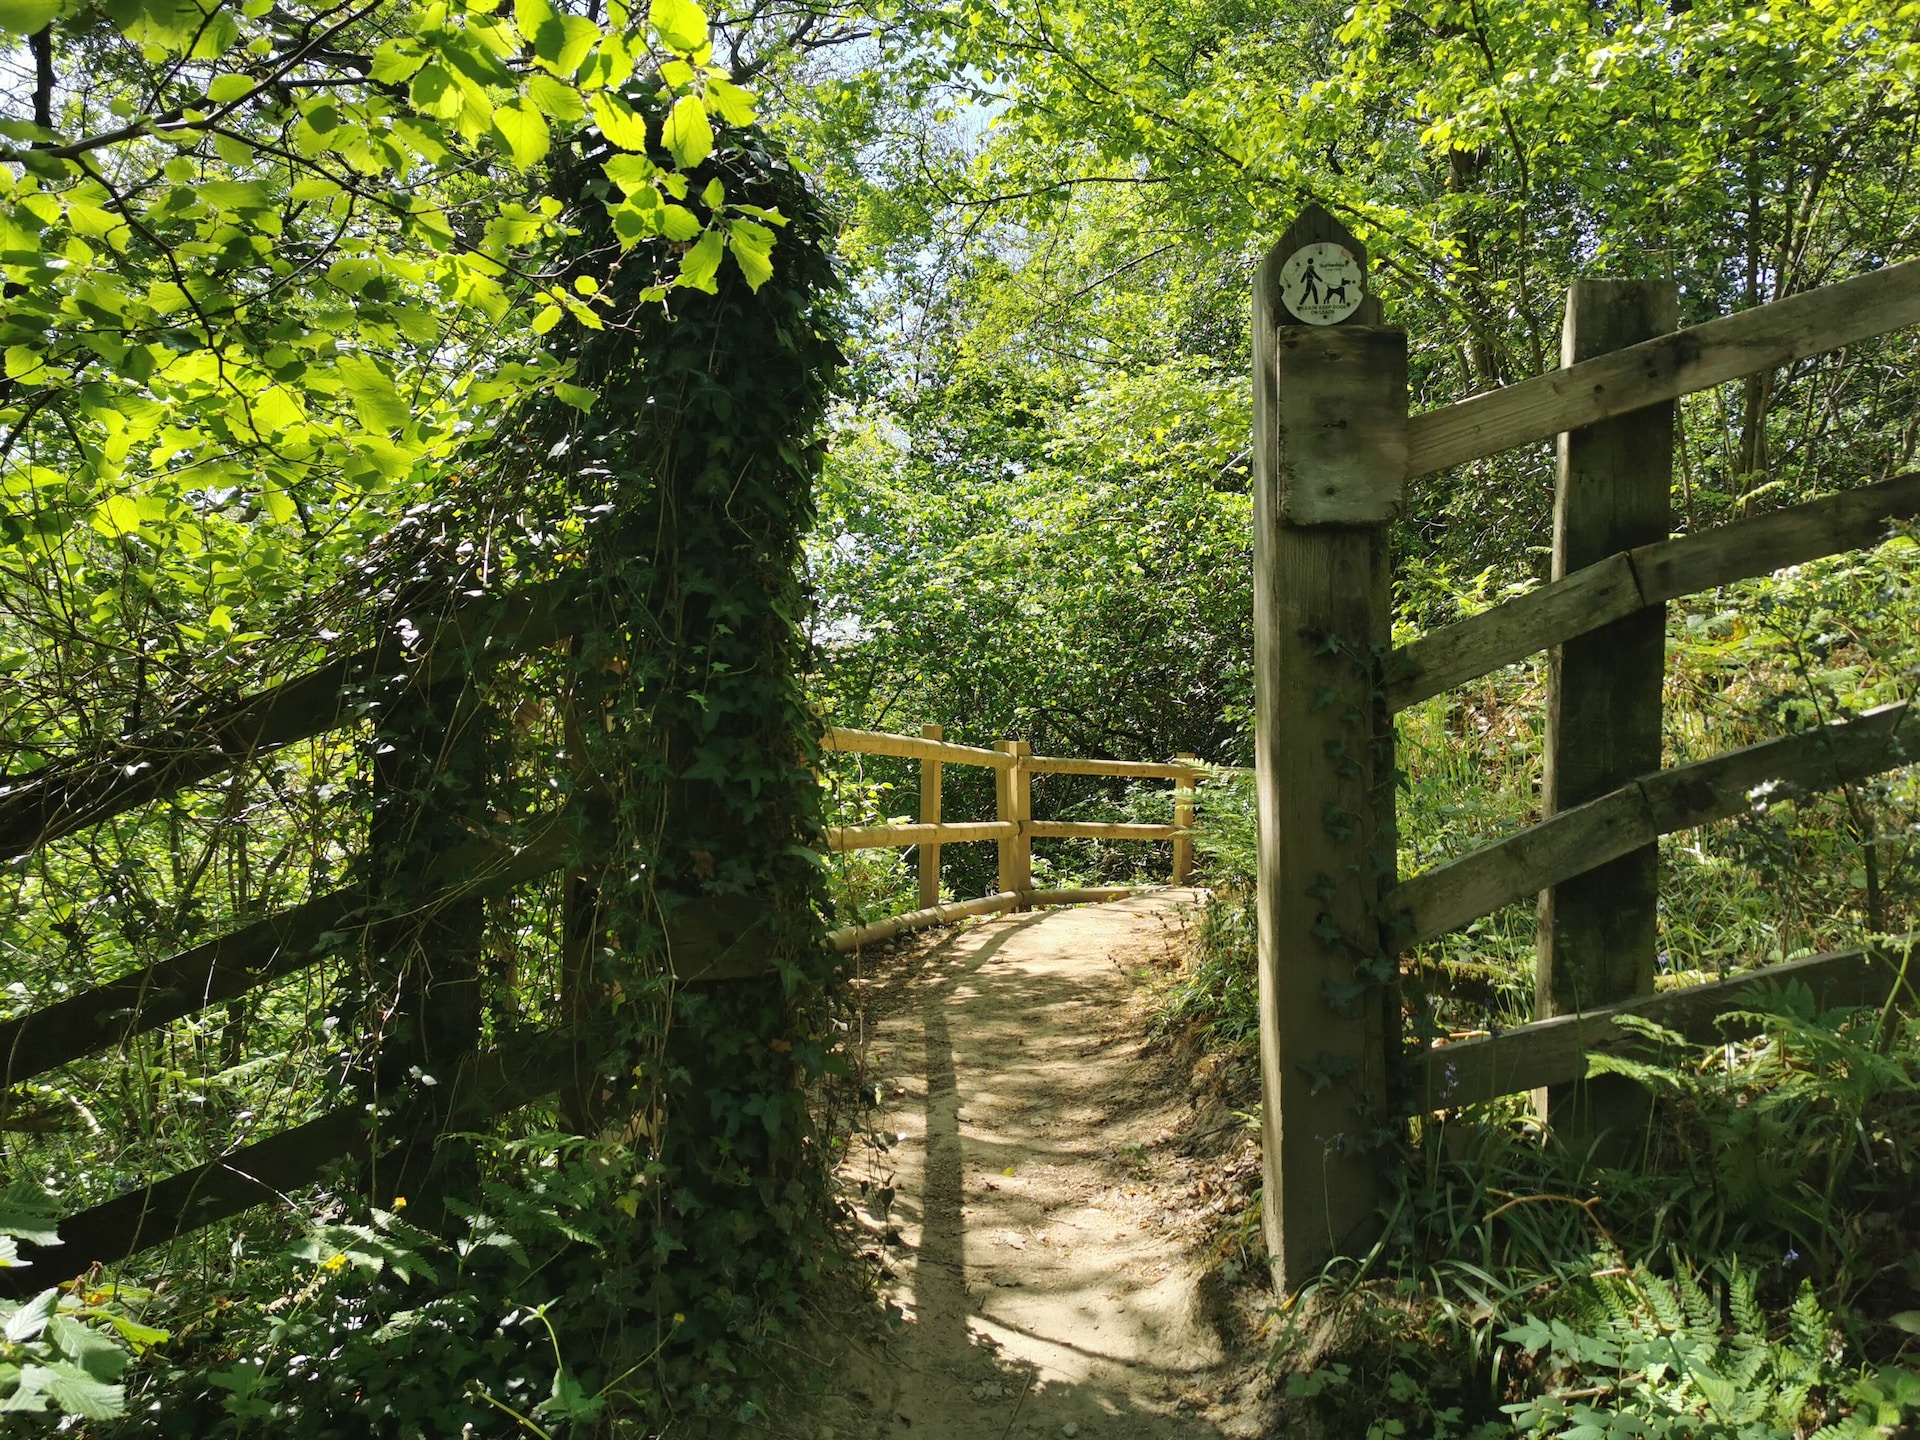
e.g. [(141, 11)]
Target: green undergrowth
[(1749, 1265), (1752, 1269)]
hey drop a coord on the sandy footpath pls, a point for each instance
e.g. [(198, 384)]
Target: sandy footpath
[(1042, 1221)]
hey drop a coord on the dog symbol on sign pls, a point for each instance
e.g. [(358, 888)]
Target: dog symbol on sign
[(1322, 283)]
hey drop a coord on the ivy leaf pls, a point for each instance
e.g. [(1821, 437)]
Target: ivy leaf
[(681, 24), (688, 135), (618, 122)]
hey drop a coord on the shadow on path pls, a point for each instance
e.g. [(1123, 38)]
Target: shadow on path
[(1055, 1286)]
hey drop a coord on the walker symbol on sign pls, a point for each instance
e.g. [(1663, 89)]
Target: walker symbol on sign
[(1322, 284)]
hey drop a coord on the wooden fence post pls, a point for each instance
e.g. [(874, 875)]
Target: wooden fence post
[(1013, 794), (930, 815), (1330, 414), (1598, 932), (1183, 817)]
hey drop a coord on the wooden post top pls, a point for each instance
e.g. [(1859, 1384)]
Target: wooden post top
[(1319, 274)]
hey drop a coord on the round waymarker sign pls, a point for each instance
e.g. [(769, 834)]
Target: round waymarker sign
[(1322, 283)]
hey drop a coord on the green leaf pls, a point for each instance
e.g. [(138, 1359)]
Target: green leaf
[(524, 130), (23, 1322), (734, 104), (556, 101), (702, 263), (682, 25), (78, 1393), (375, 399), (688, 135), (116, 516), (562, 44), (618, 122), (546, 320), (24, 17), (392, 64), (228, 88), (140, 1337), (678, 223), (752, 247), (23, 362), (580, 397), (632, 173), (434, 93), (532, 15)]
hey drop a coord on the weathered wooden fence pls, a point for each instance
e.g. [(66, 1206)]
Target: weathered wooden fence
[(1334, 450), (707, 942)]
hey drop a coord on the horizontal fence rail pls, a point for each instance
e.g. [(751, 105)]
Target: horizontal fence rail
[(488, 1084), (1584, 837), (910, 747), (1556, 1051), (710, 939), (68, 796), (883, 837), (1634, 580), (1622, 381)]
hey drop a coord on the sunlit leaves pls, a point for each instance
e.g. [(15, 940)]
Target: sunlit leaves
[(688, 134), (680, 24), (618, 122)]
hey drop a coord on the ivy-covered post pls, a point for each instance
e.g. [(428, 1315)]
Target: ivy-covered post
[(432, 760), (696, 959), (930, 815), (1330, 410), (1598, 932)]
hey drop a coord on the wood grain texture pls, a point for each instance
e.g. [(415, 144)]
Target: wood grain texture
[(1555, 1052), (1320, 610), (1016, 850), (1620, 584), (1666, 368), (1598, 930), (1576, 840), (1340, 398), (206, 741)]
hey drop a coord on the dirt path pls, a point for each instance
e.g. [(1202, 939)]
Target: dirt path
[(1046, 1226)]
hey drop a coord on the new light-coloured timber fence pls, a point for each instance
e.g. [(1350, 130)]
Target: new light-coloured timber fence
[(707, 942), (1334, 450), (1013, 828)]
